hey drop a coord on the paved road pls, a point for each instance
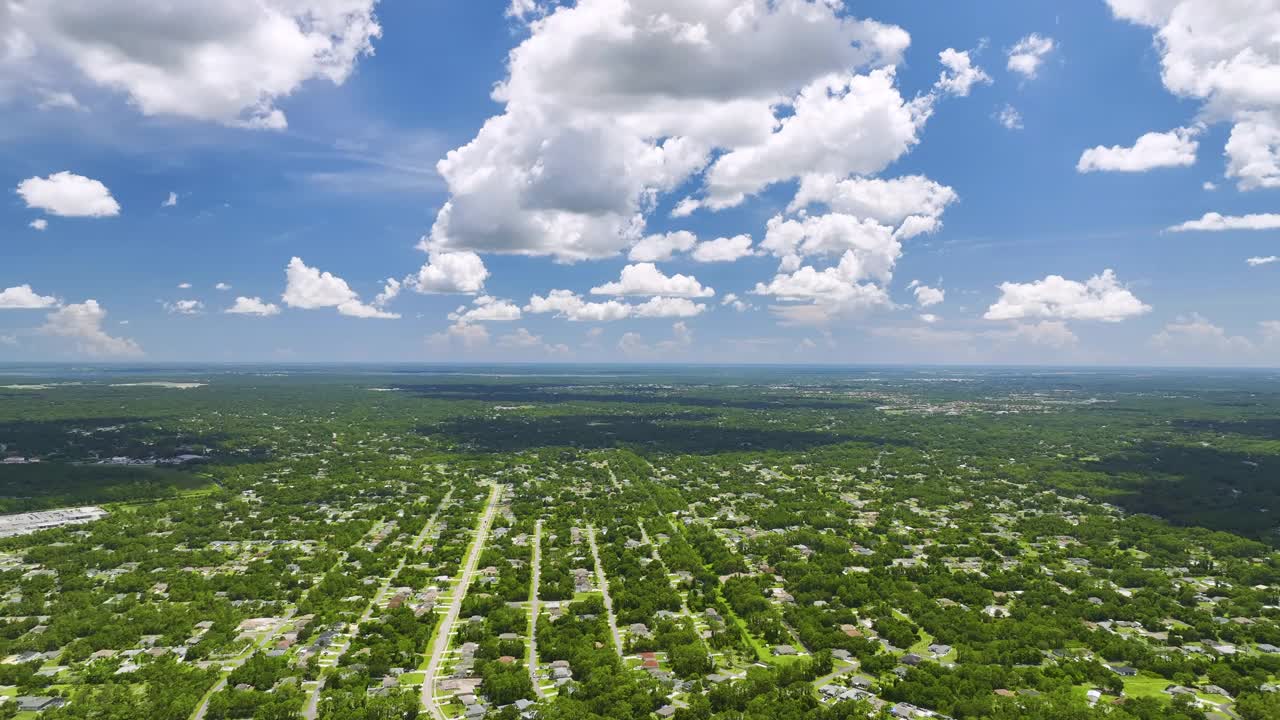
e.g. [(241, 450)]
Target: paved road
[(534, 576), (313, 702), (838, 673), (445, 632), (603, 582), (237, 662)]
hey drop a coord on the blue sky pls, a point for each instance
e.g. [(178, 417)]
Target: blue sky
[(932, 231)]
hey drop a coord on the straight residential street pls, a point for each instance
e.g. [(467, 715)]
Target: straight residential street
[(444, 633), (311, 710), (603, 582), (534, 575)]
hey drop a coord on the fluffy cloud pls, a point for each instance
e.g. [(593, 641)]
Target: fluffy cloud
[(570, 306), (1256, 261), (1176, 148), (171, 201), (1028, 54), (725, 249), (1225, 53), (226, 61), (308, 288), (890, 202), (486, 309), (184, 286), (668, 307), (647, 279), (22, 297), (659, 248), (1253, 151), (68, 195), (925, 295), (960, 74), (38, 224), (1056, 298), (842, 125), (837, 284), (609, 105), (253, 306), (82, 322), (222, 286), (450, 272), (1215, 222), (867, 249), (185, 307), (829, 293)]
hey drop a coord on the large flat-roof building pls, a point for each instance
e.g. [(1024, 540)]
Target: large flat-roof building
[(26, 523)]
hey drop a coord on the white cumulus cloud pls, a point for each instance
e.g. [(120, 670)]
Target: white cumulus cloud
[(253, 306), (1028, 54), (668, 307), (725, 249), (450, 273), (842, 124), (226, 61), (1101, 297), (1225, 53), (1253, 150), (960, 74), (308, 288), (1267, 260), (660, 248), (888, 201), (486, 309), (647, 279), (609, 105), (68, 195), (82, 322), (925, 295), (38, 224), (1176, 148), (22, 297), (570, 306)]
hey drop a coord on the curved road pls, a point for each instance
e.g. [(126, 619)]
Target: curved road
[(445, 632)]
